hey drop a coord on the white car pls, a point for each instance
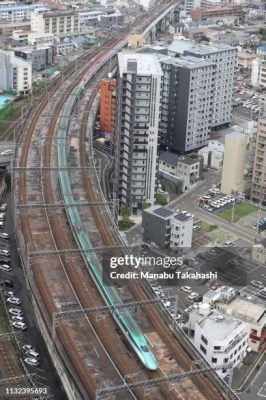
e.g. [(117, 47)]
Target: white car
[(28, 347), (5, 267), (15, 311), (19, 325), (4, 235), (186, 289), (17, 318), (4, 253), (7, 152), (10, 293), (3, 207), (31, 361), (14, 300), (193, 295)]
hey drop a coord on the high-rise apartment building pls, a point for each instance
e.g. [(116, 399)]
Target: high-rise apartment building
[(107, 107), (258, 190), (138, 113), (224, 58), (258, 75), (187, 102), (234, 163)]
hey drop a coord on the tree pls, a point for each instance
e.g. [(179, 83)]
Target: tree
[(126, 222), (161, 198)]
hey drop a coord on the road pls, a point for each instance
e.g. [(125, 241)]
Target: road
[(188, 202), (189, 198)]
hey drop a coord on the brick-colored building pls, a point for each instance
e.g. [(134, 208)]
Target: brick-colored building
[(108, 106)]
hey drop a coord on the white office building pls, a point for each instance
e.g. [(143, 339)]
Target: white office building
[(222, 340), (137, 128), (181, 231), (15, 73), (213, 154), (60, 23)]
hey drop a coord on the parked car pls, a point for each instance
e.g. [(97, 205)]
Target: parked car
[(3, 207), (17, 318), (2, 216), (14, 300), (5, 267), (31, 361), (228, 243), (7, 282), (19, 325), (186, 289), (4, 235), (4, 260), (233, 261), (7, 152), (193, 295), (5, 253), (15, 311), (10, 293), (257, 284), (33, 354), (28, 347)]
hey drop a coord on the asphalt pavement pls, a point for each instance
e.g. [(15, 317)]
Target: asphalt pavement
[(32, 335)]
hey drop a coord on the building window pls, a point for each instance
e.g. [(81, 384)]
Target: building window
[(202, 348), (214, 360), (204, 339), (217, 347)]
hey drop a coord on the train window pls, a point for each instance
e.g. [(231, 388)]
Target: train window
[(144, 348)]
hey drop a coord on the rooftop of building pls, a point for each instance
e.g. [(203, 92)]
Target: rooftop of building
[(219, 326), (245, 54), (57, 13), (30, 49), (169, 158), (173, 159), (236, 135), (189, 159), (166, 214), (188, 62), (182, 46), (146, 64), (162, 212), (247, 310), (23, 7)]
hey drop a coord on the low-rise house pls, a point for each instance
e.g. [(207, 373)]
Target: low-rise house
[(187, 169)]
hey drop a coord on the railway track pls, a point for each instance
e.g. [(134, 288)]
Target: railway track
[(78, 284), (106, 228), (40, 278)]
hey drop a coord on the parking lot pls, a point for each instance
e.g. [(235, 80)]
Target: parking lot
[(232, 271), (31, 335)]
